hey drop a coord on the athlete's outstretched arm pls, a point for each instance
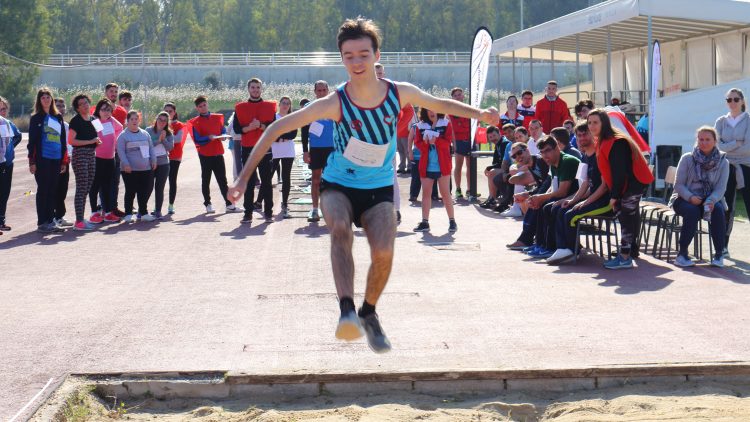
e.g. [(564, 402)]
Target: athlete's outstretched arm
[(411, 94), (324, 108)]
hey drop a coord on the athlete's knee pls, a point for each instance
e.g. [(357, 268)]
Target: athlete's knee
[(382, 254)]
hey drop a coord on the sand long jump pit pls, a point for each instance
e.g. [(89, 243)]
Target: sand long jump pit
[(705, 392)]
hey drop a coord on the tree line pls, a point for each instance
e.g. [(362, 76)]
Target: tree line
[(36, 28)]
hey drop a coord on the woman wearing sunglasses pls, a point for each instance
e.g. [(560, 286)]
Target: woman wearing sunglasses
[(734, 139)]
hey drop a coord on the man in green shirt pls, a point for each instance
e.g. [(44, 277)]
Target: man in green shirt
[(563, 168)]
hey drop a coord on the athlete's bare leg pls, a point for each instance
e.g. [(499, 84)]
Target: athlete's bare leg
[(458, 170), (337, 212), (315, 188), (379, 223)]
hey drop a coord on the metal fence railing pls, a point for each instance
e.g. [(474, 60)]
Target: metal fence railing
[(248, 59)]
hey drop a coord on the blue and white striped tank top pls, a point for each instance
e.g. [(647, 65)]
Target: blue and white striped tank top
[(373, 125)]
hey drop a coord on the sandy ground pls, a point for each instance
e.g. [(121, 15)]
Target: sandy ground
[(704, 401)]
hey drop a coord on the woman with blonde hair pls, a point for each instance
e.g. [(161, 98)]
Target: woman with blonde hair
[(699, 192)]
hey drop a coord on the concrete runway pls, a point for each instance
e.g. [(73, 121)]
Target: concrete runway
[(201, 292)]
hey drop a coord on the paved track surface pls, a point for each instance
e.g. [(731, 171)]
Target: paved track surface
[(201, 292)]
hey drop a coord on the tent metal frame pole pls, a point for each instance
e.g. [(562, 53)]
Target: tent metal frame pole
[(552, 60), (515, 85), (578, 69), (608, 95), (497, 74), (531, 69)]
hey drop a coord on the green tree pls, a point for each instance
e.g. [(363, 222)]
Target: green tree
[(27, 37)]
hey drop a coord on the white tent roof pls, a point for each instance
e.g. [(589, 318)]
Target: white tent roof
[(628, 22)]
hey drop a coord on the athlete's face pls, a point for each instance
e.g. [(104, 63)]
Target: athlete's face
[(126, 102), (512, 103), (551, 90), (202, 108), (60, 105), (111, 94), (321, 90), (508, 132), (284, 106), (458, 95), (432, 116), (584, 140), (380, 72), (254, 89), (170, 111), (595, 125), (359, 58), (526, 100), (520, 137), (493, 137)]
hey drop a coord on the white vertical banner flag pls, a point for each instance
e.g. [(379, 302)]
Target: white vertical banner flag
[(655, 78), (480, 62)]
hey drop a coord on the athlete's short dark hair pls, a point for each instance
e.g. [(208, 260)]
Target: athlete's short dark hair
[(254, 81), (492, 129), (199, 100), (561, 135), (354, 29), (125, 94)]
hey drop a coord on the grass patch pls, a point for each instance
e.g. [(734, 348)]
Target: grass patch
[(78, 407), (740, 210)]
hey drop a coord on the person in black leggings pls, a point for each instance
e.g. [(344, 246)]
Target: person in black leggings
[(283, 154)]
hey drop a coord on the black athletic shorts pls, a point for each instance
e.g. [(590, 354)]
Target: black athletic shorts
[(361, 199), (463, 148), (319, 157)]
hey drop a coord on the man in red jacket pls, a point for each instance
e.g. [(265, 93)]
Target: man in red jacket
[(551, 110)]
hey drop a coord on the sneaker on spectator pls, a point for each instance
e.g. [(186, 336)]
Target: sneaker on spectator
[(48, 228), (233, 208), (268, 218), (210, 209), (314, 215), (541, 253), (83, 226), (489, 203), (285, 212), (452, 226), (423, 226), (683, 261), (96, 218), (459, 194), (62, 222), (247, 218), (170, 209), (725, 252), (530, 249), (157, 215), (718, 262), (517, 246), (560, 256), (128, 219), (514, 211), (619, 263), (111, 218), (118, 212), (148, 218)]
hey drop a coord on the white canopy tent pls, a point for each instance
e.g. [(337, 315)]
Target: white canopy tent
[(704, 43)]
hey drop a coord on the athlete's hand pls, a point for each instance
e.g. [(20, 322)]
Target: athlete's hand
[(490, 116), (235, 192), (306, 157)]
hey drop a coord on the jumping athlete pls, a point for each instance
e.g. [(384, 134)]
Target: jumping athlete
[(357, 185)]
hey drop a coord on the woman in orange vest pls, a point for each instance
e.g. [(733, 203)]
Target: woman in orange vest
[(626, 173)]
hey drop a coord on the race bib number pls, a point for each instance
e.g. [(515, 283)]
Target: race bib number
[(365, 154)]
